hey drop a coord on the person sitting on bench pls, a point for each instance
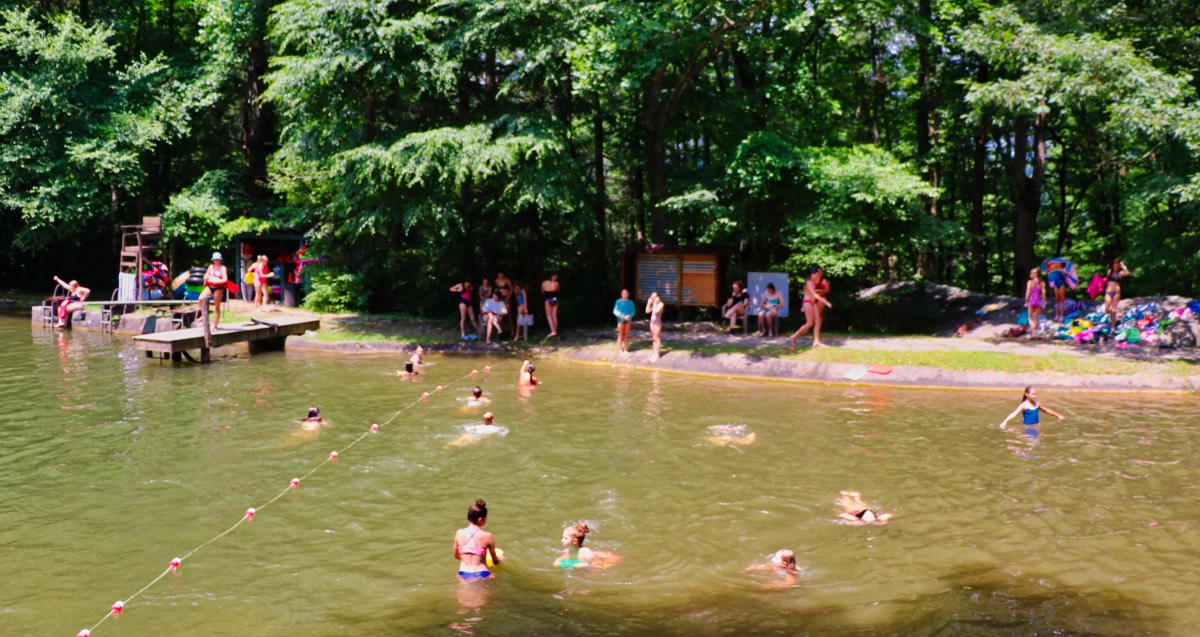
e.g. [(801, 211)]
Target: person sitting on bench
[(76, 295)]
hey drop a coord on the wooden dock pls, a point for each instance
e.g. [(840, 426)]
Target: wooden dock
[(265, 334)]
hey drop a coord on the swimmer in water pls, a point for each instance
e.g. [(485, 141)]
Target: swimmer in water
[(410, 372), (477, 398), (472, 545), (527, 379), (475, 433), (730, 435), (313, 420), (576, 556), (418, 357), (858, 512), (782, 561), (1029, 409)]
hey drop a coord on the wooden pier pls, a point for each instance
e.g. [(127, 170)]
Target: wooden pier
[(265, 334)]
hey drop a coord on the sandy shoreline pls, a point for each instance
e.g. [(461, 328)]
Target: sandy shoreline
[(735, 365)]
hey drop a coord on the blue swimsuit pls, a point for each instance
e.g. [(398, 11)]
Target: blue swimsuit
[(1030, 416)]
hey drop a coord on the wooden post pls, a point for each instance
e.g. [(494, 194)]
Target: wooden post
[(205, 356), (204, 315)]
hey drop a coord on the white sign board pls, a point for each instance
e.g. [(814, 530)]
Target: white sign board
[(757, 286)]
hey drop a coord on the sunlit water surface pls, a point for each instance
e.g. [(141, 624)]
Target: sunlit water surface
[(111, 464)]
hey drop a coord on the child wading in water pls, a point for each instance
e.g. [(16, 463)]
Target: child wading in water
[(1029, 408)]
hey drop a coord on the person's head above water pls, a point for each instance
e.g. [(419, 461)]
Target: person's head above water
[(314, 413), (477, 392), (1030, 394), (784, 558), (529, 368), (477, 514), (575, 534), (489, 418)]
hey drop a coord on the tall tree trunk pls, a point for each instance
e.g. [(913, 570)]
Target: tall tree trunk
[(599, 238), (653, 121), (929, 171), (1063, 217), (975, 222), (1026, 192), (258, 121)]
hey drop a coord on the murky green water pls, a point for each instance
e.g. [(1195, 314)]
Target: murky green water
[(111, 464)]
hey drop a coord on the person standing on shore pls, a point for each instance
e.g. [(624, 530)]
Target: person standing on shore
[(466, 307), (1035, 300), (813, 299), (261, 272), (1112, 290), (654, 307), (550, 289), (524, 319), (623, 309)]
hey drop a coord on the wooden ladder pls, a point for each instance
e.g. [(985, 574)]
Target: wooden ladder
[(136, 241)]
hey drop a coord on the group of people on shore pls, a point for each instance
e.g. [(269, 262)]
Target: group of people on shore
[(1060, 274), (501, 303), (735, 308)]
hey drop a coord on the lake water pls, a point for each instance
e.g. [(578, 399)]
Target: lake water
[(111, 464)]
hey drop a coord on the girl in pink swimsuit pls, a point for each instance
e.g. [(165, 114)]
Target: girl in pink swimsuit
[(472, 544), (1035, 300)]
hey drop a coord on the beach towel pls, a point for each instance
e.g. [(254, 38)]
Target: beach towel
[(1068, 269), (1096, 287)]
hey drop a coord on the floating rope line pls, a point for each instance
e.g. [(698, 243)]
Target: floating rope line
[(119, 606)]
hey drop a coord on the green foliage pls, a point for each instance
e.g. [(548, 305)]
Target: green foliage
[(339, 292), (419, 141), (203, 214), (75, 127)]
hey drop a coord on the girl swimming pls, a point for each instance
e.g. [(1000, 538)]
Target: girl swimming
[(576, 556), (782, 561), (858, 512), (472, 545), (1029, 409)]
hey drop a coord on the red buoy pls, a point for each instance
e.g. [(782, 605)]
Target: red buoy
[(374, 428), (332, 456), (250, 513), (295, 483), (118, 607), (175, 565)]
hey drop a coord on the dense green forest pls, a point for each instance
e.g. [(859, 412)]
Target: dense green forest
[(416, 142)]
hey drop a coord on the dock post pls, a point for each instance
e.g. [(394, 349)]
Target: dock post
[(205, 352), (207, 328)]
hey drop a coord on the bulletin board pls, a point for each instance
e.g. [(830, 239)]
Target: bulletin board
[(679, 278)]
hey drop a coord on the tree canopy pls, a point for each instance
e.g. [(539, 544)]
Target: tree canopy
[(417, 142)]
